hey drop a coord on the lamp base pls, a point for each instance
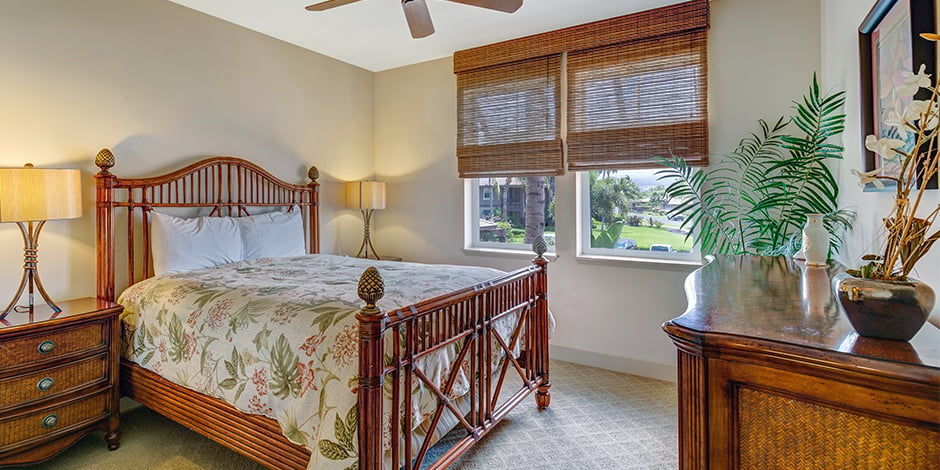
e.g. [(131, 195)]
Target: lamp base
[(366, 240), (30, 278)]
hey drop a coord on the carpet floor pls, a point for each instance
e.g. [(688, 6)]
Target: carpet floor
[(598, 419)]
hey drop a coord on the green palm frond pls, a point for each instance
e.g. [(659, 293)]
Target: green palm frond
[(746, 180), (807, 183), (708, 214)]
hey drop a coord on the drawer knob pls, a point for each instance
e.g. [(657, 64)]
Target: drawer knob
[(46, 346), (50, 421), (45, 384)]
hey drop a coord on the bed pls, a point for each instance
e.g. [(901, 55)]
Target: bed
[(490, 330)]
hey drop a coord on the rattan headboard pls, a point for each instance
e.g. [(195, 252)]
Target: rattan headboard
[(222, 186)]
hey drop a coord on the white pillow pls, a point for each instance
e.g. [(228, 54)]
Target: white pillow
[(179, 244), (272, 235)]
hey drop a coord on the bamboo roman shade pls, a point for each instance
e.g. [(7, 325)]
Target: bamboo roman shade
[(508, 120), (637, 89), (631, 103)]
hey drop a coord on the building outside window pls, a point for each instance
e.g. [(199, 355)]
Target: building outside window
[(518, 209)]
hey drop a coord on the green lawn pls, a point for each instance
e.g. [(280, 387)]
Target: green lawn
[(646, 236)]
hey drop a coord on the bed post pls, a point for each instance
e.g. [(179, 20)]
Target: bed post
[(542, 396), (313, 218), (371, 370), (104, 225)]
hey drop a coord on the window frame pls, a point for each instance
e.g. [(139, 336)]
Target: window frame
[(472, 225), (583, 235)]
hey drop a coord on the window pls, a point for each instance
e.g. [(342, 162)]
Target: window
[(508, 141), (623, 213), (636, 91), (628, 105), (518, 208)]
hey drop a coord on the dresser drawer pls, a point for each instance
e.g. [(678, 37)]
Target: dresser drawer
[(53, 419), (62, 341), (52, 382)]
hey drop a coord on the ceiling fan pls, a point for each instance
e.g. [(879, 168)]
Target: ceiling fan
[(417, 15)]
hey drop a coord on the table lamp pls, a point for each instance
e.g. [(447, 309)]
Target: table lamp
[(366, 196), (31, 196)]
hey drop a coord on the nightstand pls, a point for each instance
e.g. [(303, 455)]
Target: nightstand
[(58, 379)]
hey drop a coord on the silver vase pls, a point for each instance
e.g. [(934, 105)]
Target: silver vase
[(884, 309)]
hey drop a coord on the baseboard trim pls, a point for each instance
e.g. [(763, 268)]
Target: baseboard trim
[(615, 363)]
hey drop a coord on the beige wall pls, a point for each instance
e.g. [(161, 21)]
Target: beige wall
[(163, 85), (762, 55), (840, 20)]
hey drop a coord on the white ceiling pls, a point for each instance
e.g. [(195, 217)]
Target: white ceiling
[(373, 34)]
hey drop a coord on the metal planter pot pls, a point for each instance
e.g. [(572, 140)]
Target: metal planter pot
[(884, 309)]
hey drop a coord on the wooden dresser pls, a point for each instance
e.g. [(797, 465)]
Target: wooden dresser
[(58, 379), (772, 376)]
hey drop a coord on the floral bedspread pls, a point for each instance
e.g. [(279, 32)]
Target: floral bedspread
[(279, 337)]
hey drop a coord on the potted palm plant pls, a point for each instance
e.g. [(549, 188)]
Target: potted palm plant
[(880, 298), (757, 200)]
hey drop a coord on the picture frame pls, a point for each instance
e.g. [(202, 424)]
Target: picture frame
[(889, 43)]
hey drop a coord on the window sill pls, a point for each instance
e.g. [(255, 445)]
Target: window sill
[(504, 253), (638, 262)]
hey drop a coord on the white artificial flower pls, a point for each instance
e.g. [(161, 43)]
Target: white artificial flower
[(914, 111), (896, 120), (932, 119), (868, 177), (884, 146), (917, 110), (913, 82)]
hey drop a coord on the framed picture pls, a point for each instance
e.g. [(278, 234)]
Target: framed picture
[(889, 44)]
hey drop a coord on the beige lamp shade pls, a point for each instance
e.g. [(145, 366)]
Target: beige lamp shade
[(35, 194), (365, 195)]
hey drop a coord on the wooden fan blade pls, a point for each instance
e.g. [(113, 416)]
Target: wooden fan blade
[(508, 6), (329, 4), (419, 19)]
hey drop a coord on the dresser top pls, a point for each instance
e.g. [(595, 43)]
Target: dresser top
[(778, 301), (44, 315)]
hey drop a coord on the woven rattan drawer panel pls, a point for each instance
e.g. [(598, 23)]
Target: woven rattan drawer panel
[(23, 428), (778, 432), (62, 341), (49, 383)]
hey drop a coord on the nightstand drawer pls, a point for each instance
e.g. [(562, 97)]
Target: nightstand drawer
[(52, 419), (52, 382), (33, 348)]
